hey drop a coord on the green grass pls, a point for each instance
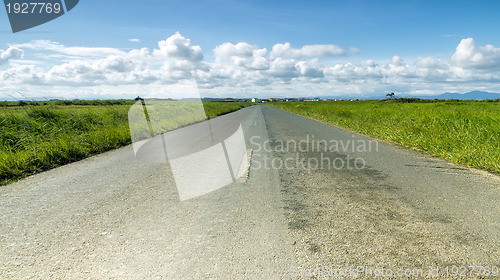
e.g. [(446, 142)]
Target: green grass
[(38, 137), (467, 133)]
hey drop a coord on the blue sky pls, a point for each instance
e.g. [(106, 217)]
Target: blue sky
[(111, 49)]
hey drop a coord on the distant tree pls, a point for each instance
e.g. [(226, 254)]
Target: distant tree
[(138, 98), (390, 95)]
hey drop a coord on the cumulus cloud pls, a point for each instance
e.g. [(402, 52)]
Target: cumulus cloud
[(241, 55), (430, 63), (283, 68), (394, 72), (469, 55), (240, 49), (240, 69), (355, 72), (10, 53), (174, 59), (112, 69), (22, 74), (46, 45), (285, 50), (180, 59), (178, 46), (310, 69)]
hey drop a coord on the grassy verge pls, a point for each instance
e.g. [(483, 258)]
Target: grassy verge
[(39, 136), (466, 133)]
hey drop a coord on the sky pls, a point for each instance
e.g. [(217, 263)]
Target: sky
[(122, 49)]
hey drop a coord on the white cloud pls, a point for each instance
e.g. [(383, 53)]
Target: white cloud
[(177, 46), (469, 55), (180, 59), (240, 49), (22, 74), (430, 63), (285, 50), (111, 69), (355, 72), (239, 69), (283, 68), (45, 45), (10, 53), (241, 55), (310, 69), (134, 40)]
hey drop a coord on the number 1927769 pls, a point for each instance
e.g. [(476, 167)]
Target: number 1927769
[(32, 8)]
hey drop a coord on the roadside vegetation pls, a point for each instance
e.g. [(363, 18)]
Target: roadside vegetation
[(37, 136), (464, 132)]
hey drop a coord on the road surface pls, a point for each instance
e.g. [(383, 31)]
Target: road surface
[(312, 204)]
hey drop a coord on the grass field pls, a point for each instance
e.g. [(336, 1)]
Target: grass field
[(467, 133), (37, 136)]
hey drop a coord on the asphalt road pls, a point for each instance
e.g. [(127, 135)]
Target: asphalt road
[(316, 197)]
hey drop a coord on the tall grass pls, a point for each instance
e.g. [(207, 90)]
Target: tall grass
[(467, 133), (34, 138)]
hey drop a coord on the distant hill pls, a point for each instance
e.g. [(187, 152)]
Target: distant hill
[(473, 95)]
